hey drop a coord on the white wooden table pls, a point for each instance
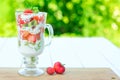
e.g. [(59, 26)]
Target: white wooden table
[(95, 52)]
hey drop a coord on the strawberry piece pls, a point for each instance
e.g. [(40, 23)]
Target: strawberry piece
[(42, 29), (29, 37), (28, 11), (32, 38), (38, 36), (20, 21), (24, 34), (39, 18), (36, 18)]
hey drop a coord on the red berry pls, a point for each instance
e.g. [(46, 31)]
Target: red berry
[(38, 36), (20, 20), (50, 70), (36, 18), (24, 34), (32, 38), (57, 64), (42, 29), (39, 19), (28, 11), (59, 68)]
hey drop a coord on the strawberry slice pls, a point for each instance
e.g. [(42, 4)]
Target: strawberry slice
[(42, 29), (24, 34), (28, 11), (20, 20), (36, 18), (39, 18), (38, 36), (32, 38)]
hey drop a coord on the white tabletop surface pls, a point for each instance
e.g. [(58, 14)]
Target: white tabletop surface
[(94, 52)]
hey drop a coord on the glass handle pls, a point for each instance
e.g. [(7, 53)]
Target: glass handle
[(51, 33)]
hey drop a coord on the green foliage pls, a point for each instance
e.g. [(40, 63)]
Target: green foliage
[(74, 17)]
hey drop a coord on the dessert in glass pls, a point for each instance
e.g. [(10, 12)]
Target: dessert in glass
[(31, 26)]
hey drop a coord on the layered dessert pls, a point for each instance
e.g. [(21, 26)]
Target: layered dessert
[(30, 32)]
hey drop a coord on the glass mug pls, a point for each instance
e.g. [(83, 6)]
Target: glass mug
[(31, 27)]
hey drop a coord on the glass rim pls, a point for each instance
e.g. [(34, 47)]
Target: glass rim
[(21, 11)]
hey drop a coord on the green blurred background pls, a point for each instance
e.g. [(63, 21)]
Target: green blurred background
[(75, 18)]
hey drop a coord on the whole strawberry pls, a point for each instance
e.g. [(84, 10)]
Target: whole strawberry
[(59, 68), (28, 11), (50, 70)]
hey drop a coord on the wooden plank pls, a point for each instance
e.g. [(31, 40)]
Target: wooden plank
[(70, 74)]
